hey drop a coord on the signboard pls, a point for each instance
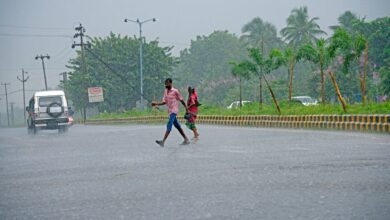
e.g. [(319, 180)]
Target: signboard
[(95, 94)]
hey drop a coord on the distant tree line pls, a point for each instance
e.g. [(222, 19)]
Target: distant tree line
[(260, 65)]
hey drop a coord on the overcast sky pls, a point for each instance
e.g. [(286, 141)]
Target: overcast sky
[(27, 27)]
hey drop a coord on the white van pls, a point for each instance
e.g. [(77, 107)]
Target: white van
[(48, 110)]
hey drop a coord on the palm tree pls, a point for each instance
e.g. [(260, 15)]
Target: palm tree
[(267, 64), (241, 72), (351, 48), (318, 55), (291, 58), (300, 28), (347, 21), (260, 34)]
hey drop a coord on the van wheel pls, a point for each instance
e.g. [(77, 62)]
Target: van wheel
[(62, 129)]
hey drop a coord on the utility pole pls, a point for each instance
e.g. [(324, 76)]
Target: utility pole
[(23, 80), (12, 113), (43, 66), (80, 30), (6, 100)]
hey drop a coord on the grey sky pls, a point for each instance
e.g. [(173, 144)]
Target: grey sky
[(179, 21)]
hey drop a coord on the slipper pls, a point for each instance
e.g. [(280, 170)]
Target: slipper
[(161, 143), (186, 142)]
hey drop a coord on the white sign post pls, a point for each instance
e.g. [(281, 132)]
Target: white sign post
[(95, 94)]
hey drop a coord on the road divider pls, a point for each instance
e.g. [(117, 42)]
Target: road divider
[(373, 123)]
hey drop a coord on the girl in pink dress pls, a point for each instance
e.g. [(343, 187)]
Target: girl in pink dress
[(192, 104)]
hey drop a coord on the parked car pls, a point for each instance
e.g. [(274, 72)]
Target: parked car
[(236, 104), (48, 110), (305, 100)]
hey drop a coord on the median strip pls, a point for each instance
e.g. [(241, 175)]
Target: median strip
[(372, 123)]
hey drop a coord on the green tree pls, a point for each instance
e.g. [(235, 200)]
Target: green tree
[(377, 33), (260, 34), (347, 21), (300, 28), (318, 55), (384, 85), (291, 57), (259, 64), (112, 63), (205, 65), (351, 48), (241, 72)]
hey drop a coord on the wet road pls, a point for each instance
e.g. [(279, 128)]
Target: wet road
[(118, 172)]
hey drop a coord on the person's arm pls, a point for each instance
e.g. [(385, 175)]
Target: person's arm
[(185, 105), (154, 103), (192, 102), (158, 103), (179, 97)]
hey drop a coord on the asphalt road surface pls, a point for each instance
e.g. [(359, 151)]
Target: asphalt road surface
[(118, 172)]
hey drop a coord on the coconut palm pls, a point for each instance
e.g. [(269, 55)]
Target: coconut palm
[(300, 28), (260, 34), (266, 64), (291, 58), (354, 50), (347, 21), (241, 72), (318, 55)]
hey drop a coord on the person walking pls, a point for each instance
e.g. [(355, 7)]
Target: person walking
[(192, 104), (171, 98)]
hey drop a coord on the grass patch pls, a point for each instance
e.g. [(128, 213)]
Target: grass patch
[(253, 109)]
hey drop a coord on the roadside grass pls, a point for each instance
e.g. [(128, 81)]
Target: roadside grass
[(254, 109)]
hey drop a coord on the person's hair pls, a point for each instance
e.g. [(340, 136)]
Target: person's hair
[(191, 89), (168, 80)]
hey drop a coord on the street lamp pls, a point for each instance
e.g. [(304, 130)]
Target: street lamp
[(140, 54), (43, 66)]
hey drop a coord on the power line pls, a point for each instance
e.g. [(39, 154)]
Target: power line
[(20, 90), (35, 35), (175, 43), (32, 27), (18, 69), (9, 93)]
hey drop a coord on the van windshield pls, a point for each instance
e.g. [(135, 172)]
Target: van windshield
[(46, 101)]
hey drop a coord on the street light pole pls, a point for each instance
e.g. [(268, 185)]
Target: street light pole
[(43, 66), (140, 55)]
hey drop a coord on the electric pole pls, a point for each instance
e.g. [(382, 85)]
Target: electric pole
[(6, 99), (80, 30), (23, 80), (43, 66), (12, 113)]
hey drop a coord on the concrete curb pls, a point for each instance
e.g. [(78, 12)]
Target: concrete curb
[(373, 123)]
